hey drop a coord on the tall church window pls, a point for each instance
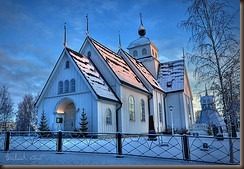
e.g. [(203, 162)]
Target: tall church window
[(131, 108), (160, 112), (72, 85), (143, 118), (108, 116), (67, 65), (66, 86), (60, 87), (135, 53), (144, 51)]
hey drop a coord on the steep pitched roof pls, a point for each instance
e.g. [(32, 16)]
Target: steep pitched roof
[(148, 76), (119, 66), (171, 76), (93, 77)]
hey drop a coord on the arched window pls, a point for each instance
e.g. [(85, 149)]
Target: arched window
[(60, 87), (66, 86), (89, 54), (160, 112), (67, 65), (143, 118), (135, 53), (144, 51), (131, 108), (72, 85), (108, 116)]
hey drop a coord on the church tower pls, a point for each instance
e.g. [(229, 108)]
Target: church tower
[(207, 102), (145, 51)]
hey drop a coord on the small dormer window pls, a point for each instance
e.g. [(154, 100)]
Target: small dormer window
[(135, 53), (144, 51), (67, 65), (89, 54), (169, 84)]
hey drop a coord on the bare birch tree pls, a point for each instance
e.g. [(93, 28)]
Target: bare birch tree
[(6, 107), (216, 49), (216, 44), (26, 115)]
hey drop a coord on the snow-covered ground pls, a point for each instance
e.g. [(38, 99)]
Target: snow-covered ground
[(165, 146)]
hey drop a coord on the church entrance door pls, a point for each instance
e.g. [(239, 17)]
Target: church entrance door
[(69, 117)]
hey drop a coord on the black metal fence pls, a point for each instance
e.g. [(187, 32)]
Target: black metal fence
[(184, 147)]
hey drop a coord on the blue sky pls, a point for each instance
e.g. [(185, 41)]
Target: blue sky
[(31, 34)]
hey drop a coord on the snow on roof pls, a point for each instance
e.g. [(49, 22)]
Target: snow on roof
[(138, 42), (119, 66), (144, 71), (171, 75), (92, 75)]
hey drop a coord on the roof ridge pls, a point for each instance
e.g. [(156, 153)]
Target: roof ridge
[(104, 47), (155, 84)]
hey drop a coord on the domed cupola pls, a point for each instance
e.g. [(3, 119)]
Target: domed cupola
[(144, 51)]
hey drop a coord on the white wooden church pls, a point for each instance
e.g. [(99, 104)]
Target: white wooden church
[(118, 91)]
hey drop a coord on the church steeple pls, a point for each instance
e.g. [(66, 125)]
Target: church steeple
[(141, 30)]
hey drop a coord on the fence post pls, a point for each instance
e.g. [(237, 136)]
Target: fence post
[(59, 142), (119, 145), (7, 141), (185, 147)]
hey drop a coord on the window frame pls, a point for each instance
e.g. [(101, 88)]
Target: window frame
[(66, 86), (108, 116), (144, 51), (131, 106), (143, 112), (67, 65), (160, 109), (72, 85), (60, 87), (135, 53)]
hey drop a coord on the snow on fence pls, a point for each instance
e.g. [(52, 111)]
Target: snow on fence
[(185, 147)]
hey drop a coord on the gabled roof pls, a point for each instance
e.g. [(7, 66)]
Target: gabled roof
[(171, 76), (119, 66), (148, 76), (93, 77)]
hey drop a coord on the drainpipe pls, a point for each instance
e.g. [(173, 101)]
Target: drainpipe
[(151, 122), (165, 113), (117, 117)]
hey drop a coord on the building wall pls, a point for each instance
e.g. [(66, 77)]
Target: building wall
[(82, 98), (177, 101), (103, 127), (136, 126), (155, 103)]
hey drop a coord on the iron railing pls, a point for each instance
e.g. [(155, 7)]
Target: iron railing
[(183, 147)]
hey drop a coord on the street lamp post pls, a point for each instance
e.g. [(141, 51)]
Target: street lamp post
[(172, 122)]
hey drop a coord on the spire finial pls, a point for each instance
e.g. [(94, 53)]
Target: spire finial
[(141, 30), (65, 41), (206, 91), (87, 32), (183, 54), (141, 19), (120, 46)]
